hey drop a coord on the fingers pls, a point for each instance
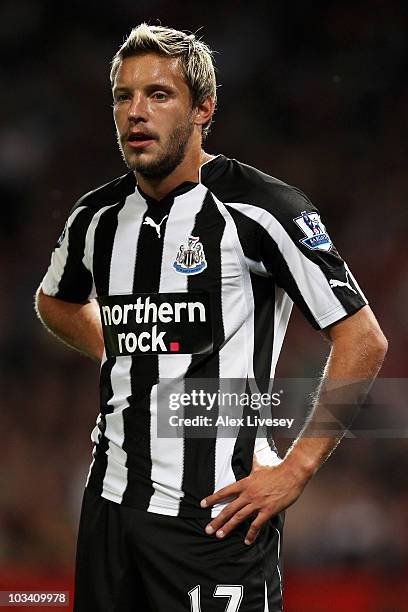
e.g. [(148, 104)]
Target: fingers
[(222, 494), (229, 518), (225, 522), (250, 498), (255, 527), (235, 519)]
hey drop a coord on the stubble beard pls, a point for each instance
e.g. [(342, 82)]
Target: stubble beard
[(167, 161)]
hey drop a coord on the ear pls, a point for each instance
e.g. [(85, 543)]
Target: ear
[(204, 111)]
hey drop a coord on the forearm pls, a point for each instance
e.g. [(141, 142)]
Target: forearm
[(347, 377), (77, 325)]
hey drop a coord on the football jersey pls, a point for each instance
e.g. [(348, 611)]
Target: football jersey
[(198, 286)]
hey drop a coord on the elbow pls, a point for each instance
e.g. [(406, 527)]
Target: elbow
[(360, 334), (382, 345), (39, 304), (376, 344), (37, 301)]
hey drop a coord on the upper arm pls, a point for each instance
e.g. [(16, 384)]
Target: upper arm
[(47, 305), (361, 325)]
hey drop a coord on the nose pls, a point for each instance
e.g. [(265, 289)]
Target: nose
[(137, 110)]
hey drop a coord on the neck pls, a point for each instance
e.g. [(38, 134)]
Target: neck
[(188, 170)]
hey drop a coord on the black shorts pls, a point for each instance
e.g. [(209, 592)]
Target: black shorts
[(130, 560)]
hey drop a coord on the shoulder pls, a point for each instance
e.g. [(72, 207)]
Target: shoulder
[(232, 181), (107, 194)]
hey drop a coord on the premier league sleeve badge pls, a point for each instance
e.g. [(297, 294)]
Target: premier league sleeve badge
[(316, 236)]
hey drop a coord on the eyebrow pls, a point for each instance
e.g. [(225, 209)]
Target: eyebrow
[(151, 86), (120, 88)]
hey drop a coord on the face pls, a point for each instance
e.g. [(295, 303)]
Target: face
[(153, 114)]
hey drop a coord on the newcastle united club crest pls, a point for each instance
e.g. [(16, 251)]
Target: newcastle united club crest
[(190, 258)]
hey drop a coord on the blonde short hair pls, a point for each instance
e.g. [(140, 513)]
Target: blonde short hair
[(196, 59)]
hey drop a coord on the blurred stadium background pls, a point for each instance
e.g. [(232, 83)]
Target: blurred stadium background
[(315, 95)]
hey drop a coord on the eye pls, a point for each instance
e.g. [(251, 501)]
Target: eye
[(160, 96), (122, 97)]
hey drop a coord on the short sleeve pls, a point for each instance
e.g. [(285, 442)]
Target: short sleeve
[(297, 249), (69, 276)]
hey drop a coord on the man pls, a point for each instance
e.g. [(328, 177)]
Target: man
[(195, 260)]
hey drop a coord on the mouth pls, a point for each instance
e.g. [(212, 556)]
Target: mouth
[(139, 140)]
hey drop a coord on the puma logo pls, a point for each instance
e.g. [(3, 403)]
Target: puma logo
[(338, 283), (149, 221)]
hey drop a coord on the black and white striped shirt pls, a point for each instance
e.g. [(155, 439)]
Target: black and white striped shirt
[(250, 243)]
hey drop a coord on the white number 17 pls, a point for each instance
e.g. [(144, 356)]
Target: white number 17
[(233, 591)]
